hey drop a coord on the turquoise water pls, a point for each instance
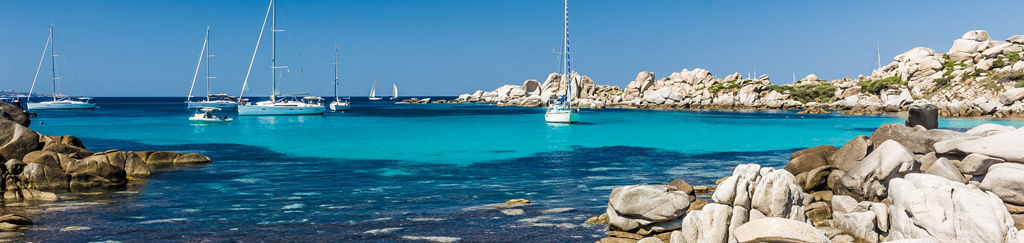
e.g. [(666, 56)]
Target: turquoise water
[(386, 172)]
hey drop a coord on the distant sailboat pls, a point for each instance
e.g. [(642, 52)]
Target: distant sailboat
[(60, 101), (373, 91), (212, 100), (291, 104), (562, 110), (338, 104), (394, 91)]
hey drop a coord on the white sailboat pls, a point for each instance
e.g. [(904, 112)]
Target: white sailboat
[(394, 91), (373, 91), (212, 100), (338, 104), (59, 101), (204, 115), (290, 104), (561, 110)]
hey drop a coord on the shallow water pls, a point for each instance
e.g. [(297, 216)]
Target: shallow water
[(408, 173)]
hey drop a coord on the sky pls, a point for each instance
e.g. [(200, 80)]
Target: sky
[(450, 47)]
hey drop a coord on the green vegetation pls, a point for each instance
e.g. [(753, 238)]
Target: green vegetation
[(822, 93), (999, 62), (1014, 57), (876, 86), (731, 85), (666, 79)]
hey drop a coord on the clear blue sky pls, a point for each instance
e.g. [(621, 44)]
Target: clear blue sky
[(449, 47)]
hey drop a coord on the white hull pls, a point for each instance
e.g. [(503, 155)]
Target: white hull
[(375, 98), (339, 107), (562, 117), (274, 110), (199, 120), (51, 105), (216, 104)]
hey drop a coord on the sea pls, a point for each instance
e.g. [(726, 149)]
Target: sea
[(386, 172)]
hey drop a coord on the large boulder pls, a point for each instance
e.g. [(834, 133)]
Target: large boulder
[(865, 221), (1005, 181), (130, 162), (160, 158), (16, 140), (62, 148), (15, 114), (989, 129), (926, 115), (917, 141), (643, 206), (1008, 146), (1011, 96), (44, 177), (930, 207), (778, 230), (89, 173), (710, 224), (976, 35), (852, 152), (773, 193), (867, 181)]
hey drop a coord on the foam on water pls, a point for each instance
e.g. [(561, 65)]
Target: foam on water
[(409, 172)]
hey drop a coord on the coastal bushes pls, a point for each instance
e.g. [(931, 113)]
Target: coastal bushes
[(731, 85), (876, 86), (809, 92)]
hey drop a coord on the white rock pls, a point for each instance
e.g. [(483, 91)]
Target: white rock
[(710, 224), (645, 205), (1008, 146), (930, 207), (1005, 180), (1011, 96), (942, 167), (976, 35), (867, 179), (860, 220), (1017, 39), (963, 46), (778, 230), (778, 195), (977, 164)]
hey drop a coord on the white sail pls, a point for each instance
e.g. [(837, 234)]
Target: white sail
[(394, 93), (373, 89)]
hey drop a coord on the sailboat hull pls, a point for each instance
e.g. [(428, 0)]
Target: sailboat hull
[(256, 110), (51, 105), (339, 107), (216, 104), (562, 116), (374, 98)]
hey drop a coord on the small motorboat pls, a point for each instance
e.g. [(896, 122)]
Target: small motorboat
[(204, 115)]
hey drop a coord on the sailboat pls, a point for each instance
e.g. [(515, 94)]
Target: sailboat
[(212, 100), (59, 101), (561, 110), (338, 104), (394, 91), (290, 104), (373, 91)]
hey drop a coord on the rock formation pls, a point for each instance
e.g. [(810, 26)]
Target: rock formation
[(976, 76), (906, 184)]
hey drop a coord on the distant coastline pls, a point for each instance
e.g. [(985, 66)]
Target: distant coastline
[(978, 76)]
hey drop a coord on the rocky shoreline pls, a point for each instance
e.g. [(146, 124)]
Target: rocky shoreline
[(977, 76), (906, 183), (41, 168)]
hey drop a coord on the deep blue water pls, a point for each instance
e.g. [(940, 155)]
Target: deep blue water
[(406, 173)]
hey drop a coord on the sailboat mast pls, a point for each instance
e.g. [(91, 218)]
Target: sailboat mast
[(878, 51), (53, 65), (565, 53), (335, 71), (273, 52), (208, 64)]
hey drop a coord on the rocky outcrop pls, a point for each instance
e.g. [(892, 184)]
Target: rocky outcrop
[(964, 189), (973, 78)]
